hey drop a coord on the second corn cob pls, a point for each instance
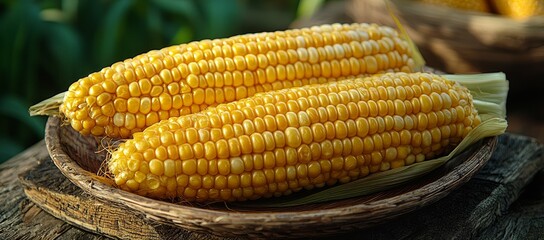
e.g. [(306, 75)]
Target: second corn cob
[(519, 9), (282, 141), (470, 5), (132, 95)]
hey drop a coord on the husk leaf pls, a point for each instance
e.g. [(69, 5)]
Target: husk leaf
[(49, 107)]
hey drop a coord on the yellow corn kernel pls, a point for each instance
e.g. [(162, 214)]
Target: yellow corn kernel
[(225, 157), (188, 78)]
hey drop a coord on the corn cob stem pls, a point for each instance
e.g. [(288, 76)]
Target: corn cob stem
[(48, 107)]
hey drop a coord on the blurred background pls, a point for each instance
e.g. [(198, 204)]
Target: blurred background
[(46, 45)]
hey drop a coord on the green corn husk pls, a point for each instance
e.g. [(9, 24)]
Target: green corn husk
[(489, 92)]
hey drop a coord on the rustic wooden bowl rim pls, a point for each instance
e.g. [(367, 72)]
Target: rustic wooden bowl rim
[(290, 221)]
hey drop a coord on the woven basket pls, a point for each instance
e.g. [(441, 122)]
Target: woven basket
[(79, 158), (458, 41)]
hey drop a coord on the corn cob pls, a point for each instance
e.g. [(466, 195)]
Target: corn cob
[(178, 80), (519, 9), (279, 142), (471, 5)]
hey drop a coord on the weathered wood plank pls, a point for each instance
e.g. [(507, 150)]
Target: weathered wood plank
[(19, 217), (525, 218)]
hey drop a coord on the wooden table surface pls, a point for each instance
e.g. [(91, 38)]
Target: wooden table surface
[(505, 200)]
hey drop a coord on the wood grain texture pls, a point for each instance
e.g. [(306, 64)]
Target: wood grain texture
[(505, 200), (19, 217), (523, 220)]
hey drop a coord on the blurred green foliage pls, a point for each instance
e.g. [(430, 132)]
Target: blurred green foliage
[(46, 45)]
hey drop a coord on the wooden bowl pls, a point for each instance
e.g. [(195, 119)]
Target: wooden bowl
[(79, 159)]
